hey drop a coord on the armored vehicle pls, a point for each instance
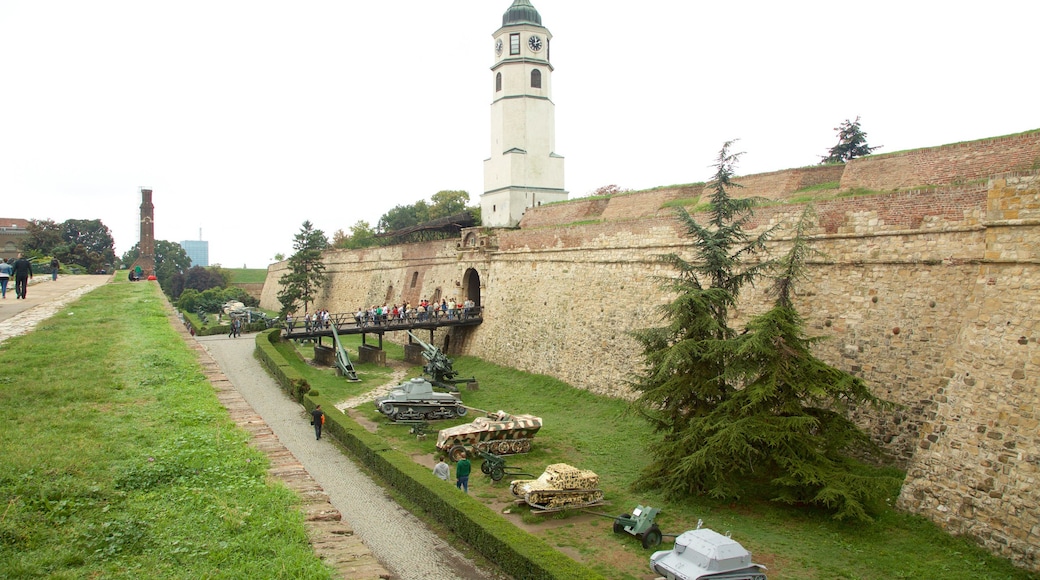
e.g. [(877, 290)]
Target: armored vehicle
[(560, 487), (704, 554), (499, 433), (416, 400)]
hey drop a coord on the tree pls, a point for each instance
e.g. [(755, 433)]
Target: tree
[(404, 216), (361, 236), (85, 243), (751, 412), (852, 143), (447, 203), (171, 261), (306, 270), (44, 237)]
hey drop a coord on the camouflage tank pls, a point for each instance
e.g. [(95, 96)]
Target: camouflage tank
[(416, 400), (499, 433), (560, 487), (704, 554)]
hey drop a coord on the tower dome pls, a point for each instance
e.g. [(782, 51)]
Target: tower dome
[(521, 12)]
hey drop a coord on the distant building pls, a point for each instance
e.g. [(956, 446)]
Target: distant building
[(198, 251), (12, 232)]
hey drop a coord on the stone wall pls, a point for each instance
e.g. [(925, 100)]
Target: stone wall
[(976, 468)]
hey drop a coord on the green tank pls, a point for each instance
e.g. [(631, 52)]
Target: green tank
[(416, 400), (499, 433)]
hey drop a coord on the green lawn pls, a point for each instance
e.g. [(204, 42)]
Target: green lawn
[(248, 275), (117, 460), (603, 435)]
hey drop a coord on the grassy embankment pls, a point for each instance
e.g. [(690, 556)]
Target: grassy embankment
[(117, 460), (601, 434)]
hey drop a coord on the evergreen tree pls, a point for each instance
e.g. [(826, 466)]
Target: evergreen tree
[(685, 378), (852, 143), (753, 413), (306, 274)]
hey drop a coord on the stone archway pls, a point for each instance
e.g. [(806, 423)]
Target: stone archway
[(471, 286)]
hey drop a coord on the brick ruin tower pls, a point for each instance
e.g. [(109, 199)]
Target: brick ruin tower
[(146, 259)]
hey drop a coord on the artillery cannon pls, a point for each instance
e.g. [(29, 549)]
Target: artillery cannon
[(439, 367)]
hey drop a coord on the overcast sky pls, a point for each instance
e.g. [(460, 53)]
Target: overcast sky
[(248, 117)]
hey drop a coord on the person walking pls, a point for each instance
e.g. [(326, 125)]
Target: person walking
[(54, 269), (462, 469), (22, 274), (442, 470), (5, 276), (317, 419)]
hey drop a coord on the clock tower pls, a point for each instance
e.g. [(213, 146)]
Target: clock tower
[(523, 170)]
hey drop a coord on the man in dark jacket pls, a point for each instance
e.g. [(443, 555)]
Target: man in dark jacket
[(317, 419), (22, 274)]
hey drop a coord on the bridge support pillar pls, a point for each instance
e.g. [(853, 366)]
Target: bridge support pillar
[(413, 354), (324, 355), (368, 353)]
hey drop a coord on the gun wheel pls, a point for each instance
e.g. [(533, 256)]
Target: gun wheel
[(652, 537), (619, 528), (497, 473)]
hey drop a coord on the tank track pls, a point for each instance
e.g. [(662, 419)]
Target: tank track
[(549, 500), (419, 411), (504, 446)]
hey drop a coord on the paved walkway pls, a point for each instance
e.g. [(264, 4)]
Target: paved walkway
[(402, 542), (43, 298)]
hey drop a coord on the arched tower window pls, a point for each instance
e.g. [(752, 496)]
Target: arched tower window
[(536, 79), (498, 82)]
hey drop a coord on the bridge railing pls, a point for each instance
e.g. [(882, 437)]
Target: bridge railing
[(384, 321)]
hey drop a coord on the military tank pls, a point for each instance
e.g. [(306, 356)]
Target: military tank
[(416, 400), (499, 433), (560, 487), (704, 554)]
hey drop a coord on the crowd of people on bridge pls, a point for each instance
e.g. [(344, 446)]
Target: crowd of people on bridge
[(385, 315), (424, 311)]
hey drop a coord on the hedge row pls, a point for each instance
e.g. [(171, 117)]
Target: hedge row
[(518, 553), (287, 376)]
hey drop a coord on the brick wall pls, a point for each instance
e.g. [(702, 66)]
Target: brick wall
[(946, 164)]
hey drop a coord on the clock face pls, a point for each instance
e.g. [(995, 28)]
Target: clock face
[(498, 47), (535, 43)]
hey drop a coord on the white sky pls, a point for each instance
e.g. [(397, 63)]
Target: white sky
[(248, 117)]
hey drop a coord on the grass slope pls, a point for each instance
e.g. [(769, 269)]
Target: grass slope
[(117, 460)]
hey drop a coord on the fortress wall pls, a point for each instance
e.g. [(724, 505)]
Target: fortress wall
[(976, 468), (930, 296), (780, 184), (944, 165)]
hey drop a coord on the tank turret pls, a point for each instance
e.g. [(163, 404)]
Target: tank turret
[(704, 554)]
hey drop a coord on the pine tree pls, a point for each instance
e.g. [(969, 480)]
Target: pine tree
[(755, 413), (685, 377), (306, 274), (852, 143)]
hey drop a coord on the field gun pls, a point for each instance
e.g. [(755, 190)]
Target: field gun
[(439, 367)]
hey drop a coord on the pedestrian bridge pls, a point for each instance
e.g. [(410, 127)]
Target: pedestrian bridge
[(349, 324)]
